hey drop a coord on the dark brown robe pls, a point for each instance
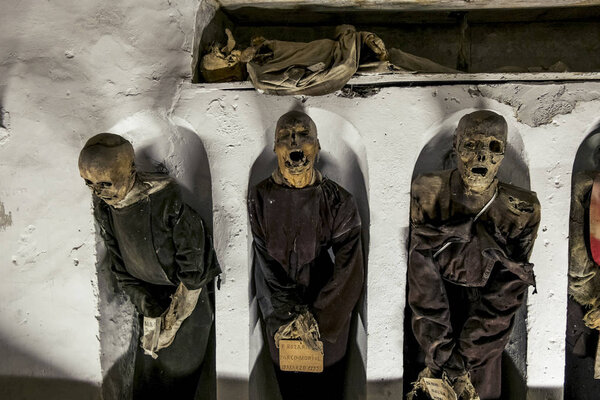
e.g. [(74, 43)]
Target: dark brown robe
[(294, 231), (464, 300)]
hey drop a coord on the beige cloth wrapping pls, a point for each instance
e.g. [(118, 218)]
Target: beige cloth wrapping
[(443, 388), (315, 68), (303, 327), (160, 332), (412, 63)]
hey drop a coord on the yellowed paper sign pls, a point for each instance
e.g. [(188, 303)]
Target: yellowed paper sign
[(295, 356), (437, 389)]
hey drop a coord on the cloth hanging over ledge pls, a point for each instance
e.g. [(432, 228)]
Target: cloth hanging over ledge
[(315, 68)]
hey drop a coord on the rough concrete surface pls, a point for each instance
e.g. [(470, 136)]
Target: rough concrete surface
[(70, 69)]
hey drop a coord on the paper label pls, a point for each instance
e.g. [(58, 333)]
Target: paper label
[(295, 356), (437, 389)]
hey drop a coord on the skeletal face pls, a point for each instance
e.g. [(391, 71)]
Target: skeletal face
[(297, 147), (480, 143), (106, 163)]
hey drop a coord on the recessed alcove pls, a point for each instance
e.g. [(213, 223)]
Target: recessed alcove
[(581, 342), (343, 159), (437, 155), (171, 146), (489, 42)]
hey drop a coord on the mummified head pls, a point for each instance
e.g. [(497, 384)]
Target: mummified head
[(479, 143), (297, 147), (106, 163)]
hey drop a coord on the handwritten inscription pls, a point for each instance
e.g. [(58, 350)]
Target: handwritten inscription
[(295, 356), (439, 390)]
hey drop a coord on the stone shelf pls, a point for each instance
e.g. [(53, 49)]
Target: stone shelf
[(418, 79)]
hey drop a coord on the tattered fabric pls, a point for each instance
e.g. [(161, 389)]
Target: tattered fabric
[(153, 245), (315, 68), (464, 300), (293, 230)]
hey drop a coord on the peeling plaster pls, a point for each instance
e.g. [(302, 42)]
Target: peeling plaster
[(4, 126), (5, 219), (537, 105)]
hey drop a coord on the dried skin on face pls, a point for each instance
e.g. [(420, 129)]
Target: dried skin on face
[(480, 146), (108, 171), (297, 148)]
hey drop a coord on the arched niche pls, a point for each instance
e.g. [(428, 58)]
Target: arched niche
[(437, 154), (167, 145), (342, 159), (580, 344)]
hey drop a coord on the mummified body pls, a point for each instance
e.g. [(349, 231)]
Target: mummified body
[(297, 216), (583, 318), (464, 294), (162, 258)]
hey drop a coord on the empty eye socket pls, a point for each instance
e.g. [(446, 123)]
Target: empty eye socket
[(495, 146), (469, 145), (283, 135), (105, 184)]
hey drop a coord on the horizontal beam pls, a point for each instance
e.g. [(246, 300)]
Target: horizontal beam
[(409, 5)]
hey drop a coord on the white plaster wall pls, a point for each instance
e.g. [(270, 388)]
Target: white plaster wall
[(394, 125), (71, 69), (68, 70)]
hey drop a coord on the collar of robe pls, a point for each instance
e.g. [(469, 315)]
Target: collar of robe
[(279, 179), (144, 186)]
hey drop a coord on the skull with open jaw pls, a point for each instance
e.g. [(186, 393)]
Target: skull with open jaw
[(297, 148), (480, 143)]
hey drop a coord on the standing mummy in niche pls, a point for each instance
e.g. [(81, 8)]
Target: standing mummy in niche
[(584, 285), (162, 259), (298, 217), (471, 237)]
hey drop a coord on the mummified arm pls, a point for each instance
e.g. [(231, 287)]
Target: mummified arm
[(194, 253), (335, 302), (430, 307), (276, 293), (138, 291), (487, 329), (427, 295), (584, 281)]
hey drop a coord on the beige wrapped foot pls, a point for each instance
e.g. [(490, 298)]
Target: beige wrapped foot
[(428, 386), (464, 388)]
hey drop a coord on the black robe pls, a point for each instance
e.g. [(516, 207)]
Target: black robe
[(294, 230), (152, 246), (464, 300)]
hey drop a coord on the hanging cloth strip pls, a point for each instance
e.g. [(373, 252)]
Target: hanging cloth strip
[(479, 214)]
